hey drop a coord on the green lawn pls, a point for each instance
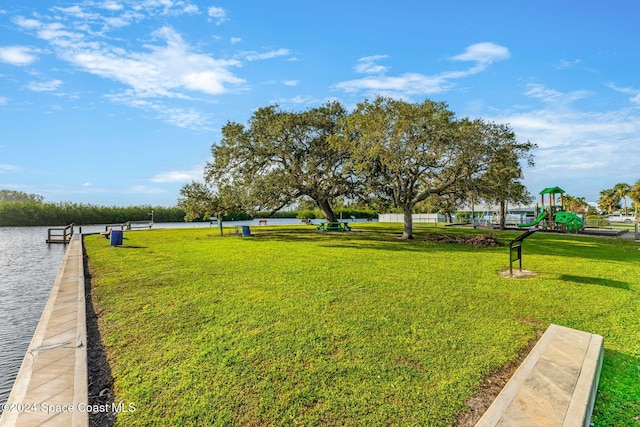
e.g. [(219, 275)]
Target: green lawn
[(295, 327)]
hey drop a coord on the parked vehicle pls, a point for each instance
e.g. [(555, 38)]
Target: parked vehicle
[(626, 218)]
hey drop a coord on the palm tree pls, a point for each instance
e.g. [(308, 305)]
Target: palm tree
[(634, 195), (621, 191), (609, 200), (576, 205)]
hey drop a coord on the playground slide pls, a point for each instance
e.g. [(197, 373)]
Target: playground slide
[(535, 221), (573, 221)]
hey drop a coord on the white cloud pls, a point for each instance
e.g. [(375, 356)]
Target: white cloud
[(111, 5), (49, 86), (86, 184), (145, 189), (544, 94), (565, 64), (185, 118), (17, 55), (367, 65), (4, 168), (635, 93), (75, 11), (255, 56), (408, 84), (217, 13), (575, 146), (483, 53), (3, 101), (291, 82), (165, 7), (181, 176), (87, 35), (417, 84), (164, 70), (27, 24)]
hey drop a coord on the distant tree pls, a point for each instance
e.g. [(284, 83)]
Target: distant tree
[(622, 190), (444, 204), (197, 200), (577, 205), (19, 196), (609, 200), (281, 157), (501, 182), (634, 195)]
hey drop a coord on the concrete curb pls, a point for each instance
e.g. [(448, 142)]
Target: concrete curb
[(51, 387), (555, 385)]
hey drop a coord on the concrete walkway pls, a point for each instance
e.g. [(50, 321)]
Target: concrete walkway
[(554, 386), (51, 387)]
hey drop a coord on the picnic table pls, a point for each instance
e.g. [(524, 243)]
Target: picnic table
[(333, 226)]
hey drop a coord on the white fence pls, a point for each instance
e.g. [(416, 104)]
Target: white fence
[(393, 217), (483, 219)]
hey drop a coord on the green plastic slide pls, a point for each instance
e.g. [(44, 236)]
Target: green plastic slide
[(535, 221)]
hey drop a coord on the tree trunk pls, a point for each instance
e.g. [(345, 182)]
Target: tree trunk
[(407, 232), (473, 214), (503, 215), (326, 210), (449, 217)]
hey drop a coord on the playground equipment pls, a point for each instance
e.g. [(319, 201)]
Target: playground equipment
[(554, 217)]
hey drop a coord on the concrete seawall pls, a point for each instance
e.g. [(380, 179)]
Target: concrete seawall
[(51, 386)]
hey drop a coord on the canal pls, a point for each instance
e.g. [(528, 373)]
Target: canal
[(28, 268)]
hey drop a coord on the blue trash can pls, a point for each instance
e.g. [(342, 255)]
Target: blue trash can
[(116, 237), (246, 231)]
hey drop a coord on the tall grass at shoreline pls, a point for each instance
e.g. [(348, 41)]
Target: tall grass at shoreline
[(293, 327)]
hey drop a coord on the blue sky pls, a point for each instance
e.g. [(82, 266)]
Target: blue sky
[(117, 102)]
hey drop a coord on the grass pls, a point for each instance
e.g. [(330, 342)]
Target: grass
[(294, 327)]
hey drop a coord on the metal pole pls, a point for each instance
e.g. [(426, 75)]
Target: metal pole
[(637, 237)]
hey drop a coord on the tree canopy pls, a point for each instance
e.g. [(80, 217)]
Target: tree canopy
[(19, 196), (609, 200), (406, 153), (282, 156), (387, 152)]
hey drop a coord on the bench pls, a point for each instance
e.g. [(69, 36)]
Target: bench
[(555, 385), (333, 226), (262, 222)]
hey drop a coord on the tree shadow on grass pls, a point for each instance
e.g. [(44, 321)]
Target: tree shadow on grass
[(583, 280), (364, 239)]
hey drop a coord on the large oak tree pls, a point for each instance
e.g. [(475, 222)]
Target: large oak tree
[(406, 153), (281, 156)]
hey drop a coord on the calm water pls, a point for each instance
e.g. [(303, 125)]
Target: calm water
[(28, 268)]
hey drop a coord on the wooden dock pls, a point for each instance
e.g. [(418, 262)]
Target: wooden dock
[(60, 234)]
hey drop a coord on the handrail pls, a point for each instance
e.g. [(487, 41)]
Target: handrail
[(64, 237)]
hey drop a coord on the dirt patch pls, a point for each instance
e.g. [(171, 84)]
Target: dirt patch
[(492, 386), (476, 241), (518, 274)]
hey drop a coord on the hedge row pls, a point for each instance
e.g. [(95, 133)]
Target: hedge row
[(54, 214)]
